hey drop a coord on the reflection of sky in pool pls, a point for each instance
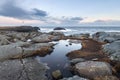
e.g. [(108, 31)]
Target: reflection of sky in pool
[(57, 60)]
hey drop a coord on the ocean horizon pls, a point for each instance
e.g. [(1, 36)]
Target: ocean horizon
[(79, 29)]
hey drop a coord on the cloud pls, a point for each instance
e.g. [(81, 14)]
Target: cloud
[(101, 22), (64, 20), (77, 18), (10, 9)]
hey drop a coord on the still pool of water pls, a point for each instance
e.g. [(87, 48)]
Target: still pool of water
[(57, 60)]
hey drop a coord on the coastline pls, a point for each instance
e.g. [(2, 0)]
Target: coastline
[(18, 51)]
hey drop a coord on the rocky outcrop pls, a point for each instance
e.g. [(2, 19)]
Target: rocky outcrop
[(113, 50), (80, 36), (42, 38), (106, 36), (22, 69), (20, 28), (59, 28), (24, 49), (92, 69), (74, 78), (57, 36)]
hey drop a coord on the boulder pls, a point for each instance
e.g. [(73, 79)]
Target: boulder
[(24, 69), (59, 28), (57, 74), (92, 69), (74, 78)]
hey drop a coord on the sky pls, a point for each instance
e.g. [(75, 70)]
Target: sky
[(60, 12)]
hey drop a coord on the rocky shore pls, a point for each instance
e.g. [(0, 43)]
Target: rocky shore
[(98, 59)]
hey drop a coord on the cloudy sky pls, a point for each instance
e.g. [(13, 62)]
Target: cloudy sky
[(60, 12)]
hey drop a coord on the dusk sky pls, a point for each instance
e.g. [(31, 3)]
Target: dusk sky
[(60, 12)]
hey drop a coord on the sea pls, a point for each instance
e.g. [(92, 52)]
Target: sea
[(85, 29)]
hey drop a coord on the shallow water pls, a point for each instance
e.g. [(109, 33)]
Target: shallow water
[(57, 60)]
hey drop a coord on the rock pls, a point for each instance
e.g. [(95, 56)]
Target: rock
[(41, 49), (106, 78), (77, 60), (74, 78), (57, 74), (112, 47), (42, 38), (115, 56), (106, 36), (56, 33), (2, 36), (113, 50), (56, 36), (4, 42), (92, 69), (59, 28), (24, 69), (9, 51), (24, 49), (80, 36), (20, 28)]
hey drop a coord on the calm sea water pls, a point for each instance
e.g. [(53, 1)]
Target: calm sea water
[(78, 30)]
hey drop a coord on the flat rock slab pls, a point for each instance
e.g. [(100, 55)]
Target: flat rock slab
[(25, 69), (24, 49)]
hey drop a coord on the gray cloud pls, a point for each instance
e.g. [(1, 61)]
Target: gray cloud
[(103, 23), (71, 20), (77, 18), (10, 9)]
